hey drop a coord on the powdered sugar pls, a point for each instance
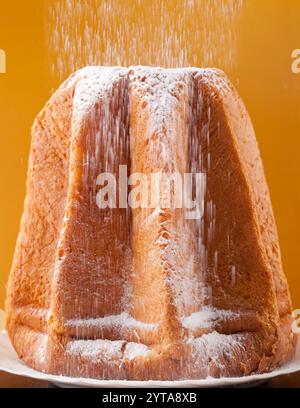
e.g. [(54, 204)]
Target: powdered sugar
[(96, 348), (96, 83), (161, 90), (215, 344), (106, 349), (212, 351), (134, 350), (42, 350), (135, 32), (205, 317), (123, 320)]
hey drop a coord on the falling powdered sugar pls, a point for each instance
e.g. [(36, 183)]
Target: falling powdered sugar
[(110, 32)]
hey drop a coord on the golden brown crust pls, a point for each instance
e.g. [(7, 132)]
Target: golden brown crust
[(207, 297)]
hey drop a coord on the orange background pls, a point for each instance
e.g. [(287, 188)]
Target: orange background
[(268, 31)]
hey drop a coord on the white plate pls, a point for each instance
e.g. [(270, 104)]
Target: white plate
[(9, 362)]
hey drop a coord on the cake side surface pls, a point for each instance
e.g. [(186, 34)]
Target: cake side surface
[(245, 268), (29, 288)]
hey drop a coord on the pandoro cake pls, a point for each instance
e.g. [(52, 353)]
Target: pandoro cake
[(146, 293)]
